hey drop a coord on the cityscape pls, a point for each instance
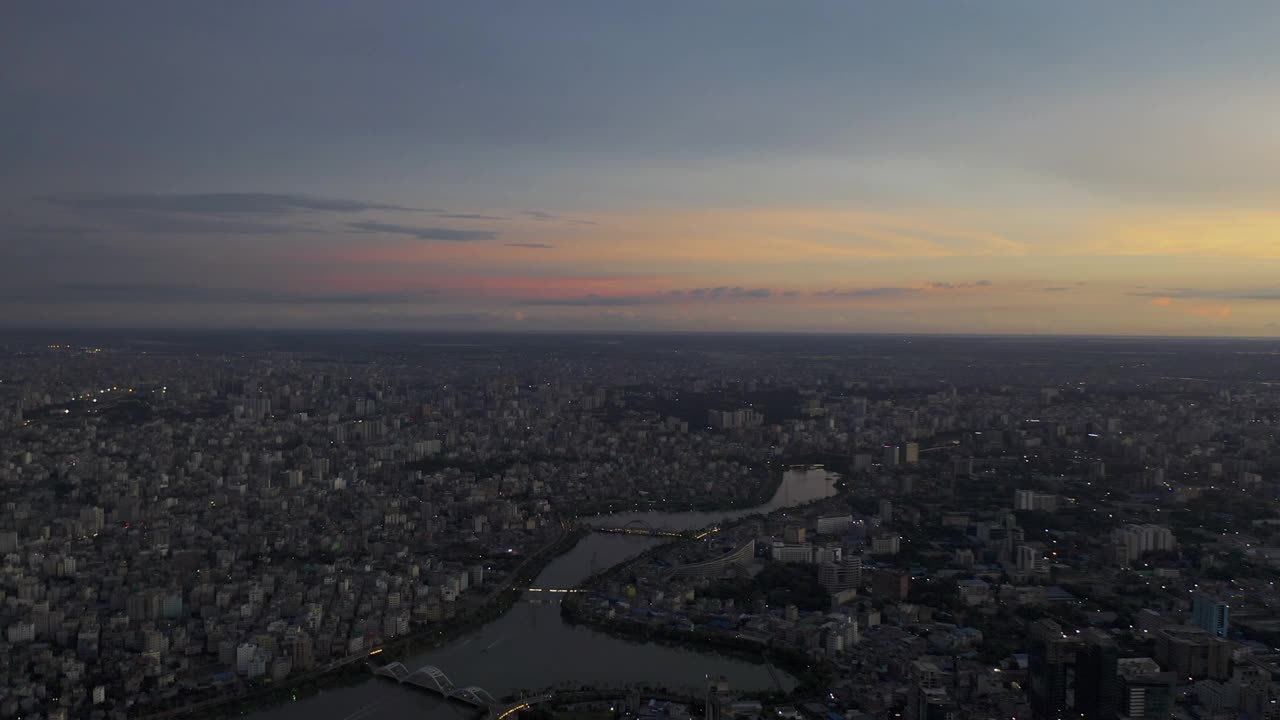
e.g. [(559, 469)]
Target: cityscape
[(619, 360), (382, 524)]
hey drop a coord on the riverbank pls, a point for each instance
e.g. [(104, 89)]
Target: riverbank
[(763, 493), (811, 674), (354, 669), (541, 649)]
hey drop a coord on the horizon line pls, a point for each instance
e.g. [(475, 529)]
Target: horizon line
[(544, 332)]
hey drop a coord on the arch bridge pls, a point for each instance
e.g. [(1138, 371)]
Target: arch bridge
[(433, 679), (430, 677)]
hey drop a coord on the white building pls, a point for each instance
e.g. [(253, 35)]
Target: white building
[(1138, 540), (792, 553), (1031, 558), (886, 544), (22, 632), (244, 657), (833, 524), (1032, 500)]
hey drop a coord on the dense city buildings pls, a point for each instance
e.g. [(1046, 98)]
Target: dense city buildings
[(883, 532)]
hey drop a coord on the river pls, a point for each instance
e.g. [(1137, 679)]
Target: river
[(532, 647), (798, 486)]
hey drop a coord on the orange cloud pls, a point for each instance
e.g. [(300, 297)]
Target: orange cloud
[(1213, 311), (1218, 233), (766, 237)]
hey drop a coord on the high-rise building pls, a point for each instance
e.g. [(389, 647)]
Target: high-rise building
[(1211, 614), (886, 544), (717, 697), (245, 653), (932, 704), (1192, 652), (833, 524), (1026, 558), (92, 520), (1047, 661), (858, 405), (1146, 693), (911, 453), (1097, 676), (890, 455), (731, 419), (1032, 500), (793, 534), (929, 699), (840, 575), (1141, 539), (890, 584), (789, 553), (300, 649)]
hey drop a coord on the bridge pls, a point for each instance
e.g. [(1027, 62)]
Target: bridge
[(433, 679), (430, 677), (639, 527)]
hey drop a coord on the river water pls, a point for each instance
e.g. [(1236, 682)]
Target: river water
[(531, 647), (798, 486)]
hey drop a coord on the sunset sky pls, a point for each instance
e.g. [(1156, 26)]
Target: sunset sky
[(962, 167)]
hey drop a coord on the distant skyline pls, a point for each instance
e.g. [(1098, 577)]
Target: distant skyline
[(991, 167)]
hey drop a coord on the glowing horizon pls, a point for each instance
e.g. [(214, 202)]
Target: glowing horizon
[(827, 167)]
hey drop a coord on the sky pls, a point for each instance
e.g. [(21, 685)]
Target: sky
[(1085, 167)]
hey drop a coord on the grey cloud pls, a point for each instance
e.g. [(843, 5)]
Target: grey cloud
[(1268, 293), (208, 213), (65, 252), (149, 222), (468, 319), (47, 232), (49, 243), (1257, 295), (469, 216), (154, 293), (521, 96), (1067, 288), (958, 286), (890, 291), (424, 233), (110, 222), (542, 215), (540, 246), (216, 203), (594, 300), (246, 214), (724, 291), (715, 294), (869, 292)]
